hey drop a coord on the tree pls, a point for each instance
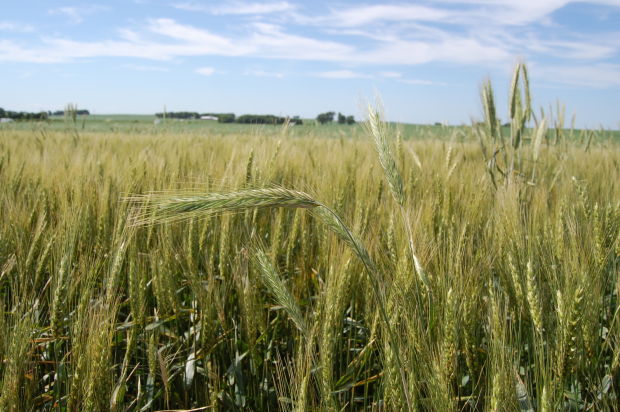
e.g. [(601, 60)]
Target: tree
[(225, 117), (22, 115), (326, 117), (350, 120), (178, 115), (260, 119), (342, 119)]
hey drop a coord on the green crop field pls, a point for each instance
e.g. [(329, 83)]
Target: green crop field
[(202, 266)]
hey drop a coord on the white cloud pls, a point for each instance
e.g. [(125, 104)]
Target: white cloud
[(600, 48), (70, 12), (342, 74), (378, 35), (76, 14), (191, 7), (267, 41), (11, 52), (464, 12), (238, 7), (391, 75), (145, 68), (453, 48), (263, 73), (206, 71), (15, 27), (364, 15), (510, 12), (422, 82), (190, 34), (130, 35), (272, 41), (597, 76)]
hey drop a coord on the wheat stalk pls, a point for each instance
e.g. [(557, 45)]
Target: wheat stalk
[(534, 298), (162, 208), (170, 208), (274, 284), (379, 131)]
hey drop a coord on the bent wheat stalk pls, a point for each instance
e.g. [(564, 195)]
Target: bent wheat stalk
[(162, 208)]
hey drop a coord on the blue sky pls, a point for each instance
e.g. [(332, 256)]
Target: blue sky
[(426, 59)]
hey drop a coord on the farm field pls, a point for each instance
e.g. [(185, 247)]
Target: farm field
[(144, 124), (193, 266)]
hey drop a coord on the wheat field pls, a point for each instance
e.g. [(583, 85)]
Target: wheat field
[(273, 269)]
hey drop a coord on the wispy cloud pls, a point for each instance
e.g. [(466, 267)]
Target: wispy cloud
[(12, 52), (179, 40), (509, 12), (394, 36), (597, 76), (451, 31), (71, 12), (394, 76), (342, 74), (164, 39), (15, 27), (599, 47), (422, 82), (200, 40), (145, 68), (238, 7), (391, 75), (263, 73), (364, 15), (271, 40), (76, 14), (463, 12), (206, 71)]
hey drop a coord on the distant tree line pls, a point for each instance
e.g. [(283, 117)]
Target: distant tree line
[(80, 112), (260, 119), (23, 115), (328, 117), (323, 118), (230, 117), (222, 117), (178, 115)]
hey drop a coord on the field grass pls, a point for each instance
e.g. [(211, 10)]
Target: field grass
[(334, 268), (145, 124)]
